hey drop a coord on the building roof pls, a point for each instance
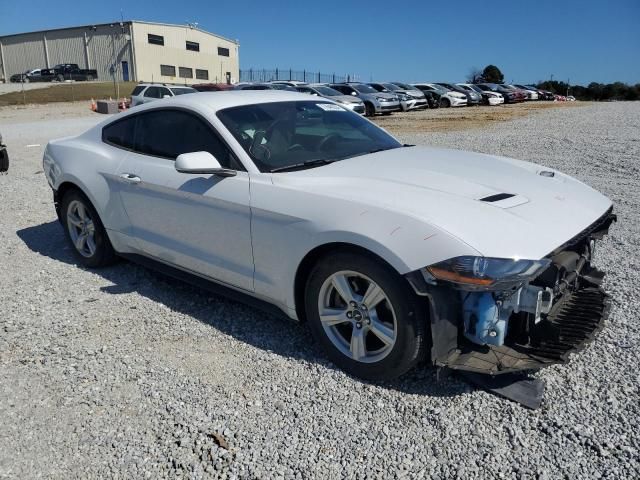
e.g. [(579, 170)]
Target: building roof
[(118, 22)]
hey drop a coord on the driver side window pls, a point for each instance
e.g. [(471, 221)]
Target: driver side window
[(169, 133)]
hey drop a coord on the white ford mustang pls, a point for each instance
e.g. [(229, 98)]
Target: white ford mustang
[(392, 253)]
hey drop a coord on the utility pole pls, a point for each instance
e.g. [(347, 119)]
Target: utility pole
[(568, 85)]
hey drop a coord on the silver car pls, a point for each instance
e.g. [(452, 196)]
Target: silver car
[(410, 98), (348, 101), (374, 102)]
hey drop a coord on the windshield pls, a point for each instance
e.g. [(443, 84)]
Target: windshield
[(281, 135), (392, 87), (439, 88), (362, 88), (404, 86), (182, 91), (476, 88), (327, 91)]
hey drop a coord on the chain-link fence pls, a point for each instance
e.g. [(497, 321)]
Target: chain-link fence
[(263, 75)]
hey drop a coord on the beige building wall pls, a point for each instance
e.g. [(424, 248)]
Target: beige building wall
[(149, 57)]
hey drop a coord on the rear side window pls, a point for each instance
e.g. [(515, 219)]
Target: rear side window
[(120, 133), (137, 91), (152, 92)]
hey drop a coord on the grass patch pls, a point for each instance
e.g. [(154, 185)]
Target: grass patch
[(66, 92)]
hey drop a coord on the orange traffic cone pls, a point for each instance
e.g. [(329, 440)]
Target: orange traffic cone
[(93, 105)]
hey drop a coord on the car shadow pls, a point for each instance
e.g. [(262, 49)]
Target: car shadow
[(274, 333)]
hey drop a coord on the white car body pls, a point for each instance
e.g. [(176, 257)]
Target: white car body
[(152, 92), (494, 98), (456, 99), (412, 206)]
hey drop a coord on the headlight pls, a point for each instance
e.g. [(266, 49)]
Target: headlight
[(382, 99), (404, 97), (486, 273)]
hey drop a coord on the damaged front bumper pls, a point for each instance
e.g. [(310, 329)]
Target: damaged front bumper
[(535, 325)]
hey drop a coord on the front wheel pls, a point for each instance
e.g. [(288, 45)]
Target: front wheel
[(85, 231), (369, 110), (365, 316), (445, 103)]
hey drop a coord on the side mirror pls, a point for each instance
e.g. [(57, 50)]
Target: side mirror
[(201, 163), (354, 94), (166, 96)]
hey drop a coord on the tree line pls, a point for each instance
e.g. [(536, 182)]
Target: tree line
[(593, 91)]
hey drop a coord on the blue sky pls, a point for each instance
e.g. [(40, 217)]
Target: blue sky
[(382, 40)]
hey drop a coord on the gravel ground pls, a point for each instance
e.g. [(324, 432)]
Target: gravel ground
[(123, 373)]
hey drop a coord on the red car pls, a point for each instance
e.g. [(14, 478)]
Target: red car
[(212, 87)]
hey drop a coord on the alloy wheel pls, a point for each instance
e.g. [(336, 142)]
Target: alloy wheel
[(81, 228), (357, 316)]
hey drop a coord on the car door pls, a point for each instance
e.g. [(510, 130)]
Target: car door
[(200, 223)]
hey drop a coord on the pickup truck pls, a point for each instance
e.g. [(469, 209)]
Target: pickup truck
[(71, 71)]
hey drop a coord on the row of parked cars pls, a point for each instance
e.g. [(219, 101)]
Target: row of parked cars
[(59, 73), (371, 98)]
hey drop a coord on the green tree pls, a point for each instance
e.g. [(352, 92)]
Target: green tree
[(492, 74)]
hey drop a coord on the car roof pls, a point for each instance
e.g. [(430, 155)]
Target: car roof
[(224, 99)]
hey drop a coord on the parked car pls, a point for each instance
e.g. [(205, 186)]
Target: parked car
[(4, 156), (529, 93), (348, 101), (410, 99), (263, 86), (374, 102), (488, 98), (532, 92), (25, 77), (212, 87), (547, 95), (509, 95), (71, 71), (393, 254), (290, 83), (473, 97), (149, 92), (448, 98)]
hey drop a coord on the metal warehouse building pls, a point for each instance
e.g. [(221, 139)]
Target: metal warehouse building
[(128, 51)]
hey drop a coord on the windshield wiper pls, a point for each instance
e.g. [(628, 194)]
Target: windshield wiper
[(300, 166)]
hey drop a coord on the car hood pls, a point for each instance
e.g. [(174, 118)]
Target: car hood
[(449, 188), (345, 99), (390, 96)]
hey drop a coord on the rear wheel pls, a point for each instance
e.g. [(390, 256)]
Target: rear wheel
[(366, 317), (445, 102), (85, 231)]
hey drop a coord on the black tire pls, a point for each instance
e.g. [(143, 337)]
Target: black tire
[(410, 313), (104, 253), (90, 78), (445, 103), (4, 160), (369, 110), (60, 78)]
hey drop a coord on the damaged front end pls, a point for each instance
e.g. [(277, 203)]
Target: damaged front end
[(495, 316)]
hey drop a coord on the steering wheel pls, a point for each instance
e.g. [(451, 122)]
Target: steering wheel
[(329, 138)]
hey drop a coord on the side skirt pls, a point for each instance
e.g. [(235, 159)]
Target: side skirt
[(205, 284)]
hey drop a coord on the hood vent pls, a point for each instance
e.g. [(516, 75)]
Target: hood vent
[(497, 197)]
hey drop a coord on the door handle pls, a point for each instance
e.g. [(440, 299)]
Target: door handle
[(130, 178)]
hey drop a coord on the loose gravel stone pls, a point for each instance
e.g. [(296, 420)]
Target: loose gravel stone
[(121, 372)]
